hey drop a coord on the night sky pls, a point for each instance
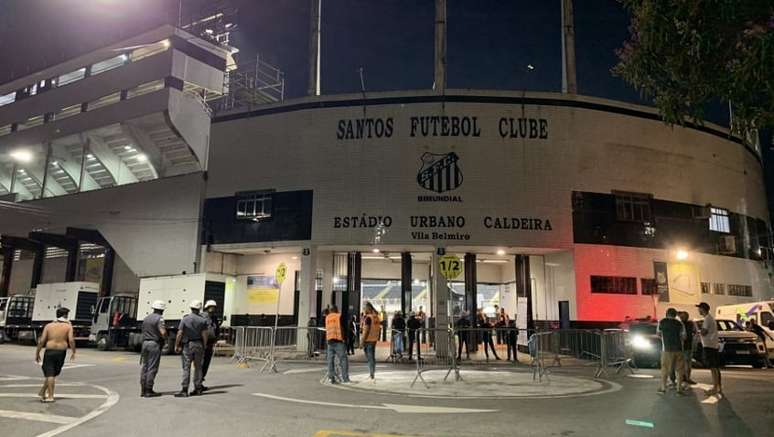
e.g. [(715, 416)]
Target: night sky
[(490, 42)]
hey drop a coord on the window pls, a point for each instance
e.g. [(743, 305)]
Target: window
[(254, 206), (648, 286), (719, 220), (149, 50), (8, 99), (115, 62), (632, 207), (766, 318), (145, 88), (71, 77), (739, 290), (719, 289), (613, 285), (104, 101), (705, 288), (68, 112)]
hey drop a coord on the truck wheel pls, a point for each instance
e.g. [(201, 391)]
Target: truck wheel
[(169, 346), (758, 364), (104, 343)]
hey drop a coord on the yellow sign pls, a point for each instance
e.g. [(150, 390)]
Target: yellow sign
[(451, 266), (262, 290), (279, 275)]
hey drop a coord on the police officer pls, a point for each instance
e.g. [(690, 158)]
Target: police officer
[(154, 334), (191, 338), (213, 333)]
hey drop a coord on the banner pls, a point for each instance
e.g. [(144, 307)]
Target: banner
[(262, 290), (684, 285), (662, 280)]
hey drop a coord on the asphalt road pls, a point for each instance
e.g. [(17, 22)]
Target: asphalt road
[(100, 397)]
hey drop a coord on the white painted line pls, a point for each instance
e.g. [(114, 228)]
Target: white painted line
[(69, 366), (394, 407), (710, 400), (56, 396), (39, 385), (297, 371), (13, 378), (701, 386), (51, 418), (112, 399)]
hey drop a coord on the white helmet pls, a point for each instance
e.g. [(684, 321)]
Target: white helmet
[(159, 305), (210, 303), (196, 304)]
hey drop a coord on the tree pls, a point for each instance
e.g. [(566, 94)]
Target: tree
[(685, 54)]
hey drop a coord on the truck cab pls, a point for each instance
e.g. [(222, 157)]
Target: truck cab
[(114, 320), (16, 317)]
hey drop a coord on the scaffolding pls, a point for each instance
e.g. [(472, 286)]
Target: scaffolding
[(249, 85)]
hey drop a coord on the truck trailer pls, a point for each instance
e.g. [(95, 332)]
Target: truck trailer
[(118, 319)]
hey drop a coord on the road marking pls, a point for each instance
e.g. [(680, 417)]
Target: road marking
[(337, 433), (57, 396), (70, 366), (640, 423), (38, 385), (13, 378), (710, 400), (112, 399), (394, 407), (51, 418)]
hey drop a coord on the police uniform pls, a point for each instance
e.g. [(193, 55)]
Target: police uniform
[(150, 354), (213, 329), (191, 327)]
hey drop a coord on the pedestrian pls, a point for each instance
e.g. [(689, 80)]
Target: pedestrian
[(689, 345), (154, 335), (398, 329), (511, 337), (311, 337), (213, 334), (672, 334), (756, 329), (486, 326), (57, 336), (710, 344), (352, 335), (371, 327), (334, 334), (383, 317), (423, 321), (502, 323), (463, 335), (414, 326), (191, 338)]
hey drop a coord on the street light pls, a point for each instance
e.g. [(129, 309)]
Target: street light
[(22, 156), (681, 254)]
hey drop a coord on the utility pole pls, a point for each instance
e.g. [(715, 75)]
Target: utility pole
[(569, 81), (314, 49), (439, 84)]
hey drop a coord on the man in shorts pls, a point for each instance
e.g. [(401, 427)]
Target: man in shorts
[(57, 336), (711, 345)]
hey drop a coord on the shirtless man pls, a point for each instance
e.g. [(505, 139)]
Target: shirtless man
[(56, 338)]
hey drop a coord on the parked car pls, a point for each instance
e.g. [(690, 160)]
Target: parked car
[(737, 346), (645, 344)]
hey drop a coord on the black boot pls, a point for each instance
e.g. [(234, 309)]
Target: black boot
[(143, 391), (149, 393), (182, 394)]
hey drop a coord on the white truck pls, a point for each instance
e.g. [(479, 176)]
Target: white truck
[(16, 317), (118, 319), (79, 297), (762, 312)]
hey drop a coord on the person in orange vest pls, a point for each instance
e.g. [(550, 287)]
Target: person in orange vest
[(334, 334), (371, 329)]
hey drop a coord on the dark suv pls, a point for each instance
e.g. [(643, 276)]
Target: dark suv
[(737, 345)]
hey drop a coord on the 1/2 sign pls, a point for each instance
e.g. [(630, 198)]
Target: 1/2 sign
[(280, 273), (451, 266)]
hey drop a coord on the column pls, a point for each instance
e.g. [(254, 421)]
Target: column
[(471, 296), (5, 279), (441, 304), (306, 286), (524, 287), (406, 283)]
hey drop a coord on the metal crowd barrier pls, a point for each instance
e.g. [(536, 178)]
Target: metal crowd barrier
[(299, 343), (252, 343), (579, 348), (432, 357), (482, 341)]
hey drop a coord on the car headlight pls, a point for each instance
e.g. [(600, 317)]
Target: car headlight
[(641, 343)]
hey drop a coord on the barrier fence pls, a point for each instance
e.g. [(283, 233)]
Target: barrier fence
[(448, 349)]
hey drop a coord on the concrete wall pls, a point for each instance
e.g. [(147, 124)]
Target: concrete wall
[(153, 226), (264, 265), (633, 262), (583, 149)]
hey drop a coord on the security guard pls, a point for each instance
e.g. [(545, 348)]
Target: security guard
[(336, 346), (213, 333), (191, 338), (154, 334)]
